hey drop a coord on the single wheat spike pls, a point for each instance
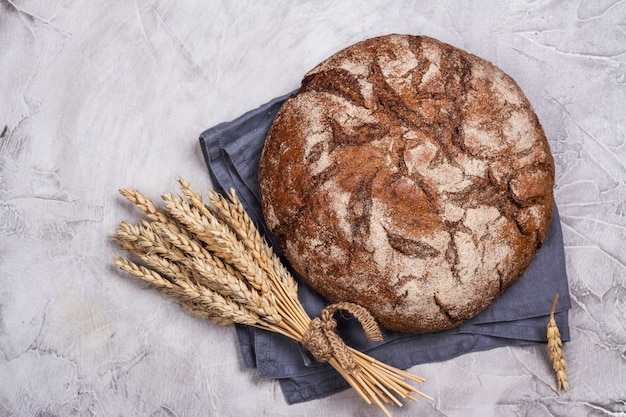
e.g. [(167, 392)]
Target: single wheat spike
[(556, 353)]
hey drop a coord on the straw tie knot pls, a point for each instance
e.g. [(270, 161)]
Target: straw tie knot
[(323, 343)]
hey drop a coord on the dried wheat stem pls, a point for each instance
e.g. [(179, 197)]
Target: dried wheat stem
[(299, 319), (385, 381), (559, 365), (388, 368), (351, 381), (374, 383), (372, 394), (385, 391)]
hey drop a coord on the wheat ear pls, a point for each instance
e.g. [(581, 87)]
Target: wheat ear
[(559, 365)]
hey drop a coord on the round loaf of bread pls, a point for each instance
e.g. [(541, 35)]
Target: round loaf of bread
[(410, 177)]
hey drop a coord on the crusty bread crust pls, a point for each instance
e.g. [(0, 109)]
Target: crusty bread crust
[(410, 177)]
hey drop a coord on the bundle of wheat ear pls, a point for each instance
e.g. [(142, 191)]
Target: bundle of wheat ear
[(214, 261)]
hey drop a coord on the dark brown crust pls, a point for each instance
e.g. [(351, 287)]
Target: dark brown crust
[(410, 177)]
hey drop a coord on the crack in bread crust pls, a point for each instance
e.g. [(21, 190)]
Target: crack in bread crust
[(403, 168)]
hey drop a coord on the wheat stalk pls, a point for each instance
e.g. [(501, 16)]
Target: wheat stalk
[(214, 261), (559, 365)]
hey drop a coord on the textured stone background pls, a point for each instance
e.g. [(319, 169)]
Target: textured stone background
[(97, 95)]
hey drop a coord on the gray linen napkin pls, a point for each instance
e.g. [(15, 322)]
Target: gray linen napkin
[(232, 151)]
